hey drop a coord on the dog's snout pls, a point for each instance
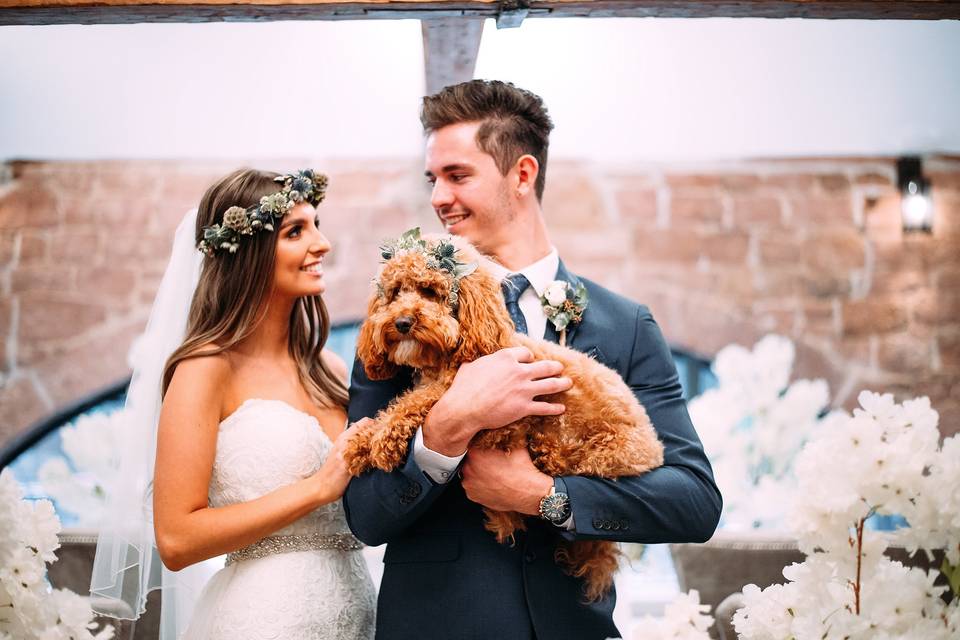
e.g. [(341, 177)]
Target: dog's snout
[(403, 323)]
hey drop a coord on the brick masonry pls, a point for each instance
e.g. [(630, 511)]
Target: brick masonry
[(810, 248)]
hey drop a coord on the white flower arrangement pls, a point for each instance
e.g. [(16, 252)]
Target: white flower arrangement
[(884, 459), (29, 609), (753, 425), (91, 444), (683, 619), (555, 293), (563, 305)]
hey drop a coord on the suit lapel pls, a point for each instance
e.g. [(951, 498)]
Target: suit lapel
[(551, 333)]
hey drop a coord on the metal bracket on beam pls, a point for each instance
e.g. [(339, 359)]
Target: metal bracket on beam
[(512, 14)]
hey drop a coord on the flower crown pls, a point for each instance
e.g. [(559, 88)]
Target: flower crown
[(439, 257), (305, 185)]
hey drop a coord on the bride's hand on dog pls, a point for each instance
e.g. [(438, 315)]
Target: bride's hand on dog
[(491, 392), (333, 476)]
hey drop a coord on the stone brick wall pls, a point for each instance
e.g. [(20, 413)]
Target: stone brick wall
[(811, 248)]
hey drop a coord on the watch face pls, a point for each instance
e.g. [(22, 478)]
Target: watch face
[(555, 508)]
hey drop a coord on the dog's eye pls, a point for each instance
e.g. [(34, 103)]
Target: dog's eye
[(429, 292)]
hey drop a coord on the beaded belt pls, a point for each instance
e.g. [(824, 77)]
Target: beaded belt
[(285, 544)]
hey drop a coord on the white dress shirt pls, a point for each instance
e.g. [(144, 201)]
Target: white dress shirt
[(541, 273)]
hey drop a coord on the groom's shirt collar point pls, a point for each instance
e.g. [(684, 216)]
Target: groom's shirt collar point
[(540, 274)]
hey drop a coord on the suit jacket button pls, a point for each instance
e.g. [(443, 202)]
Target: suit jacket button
[(597, 523), (624, 525), (530, 556), (415, 490)]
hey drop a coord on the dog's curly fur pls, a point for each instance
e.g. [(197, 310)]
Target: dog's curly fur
[(604, 432)]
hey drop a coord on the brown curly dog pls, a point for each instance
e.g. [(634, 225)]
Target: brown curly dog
[(604, 432)]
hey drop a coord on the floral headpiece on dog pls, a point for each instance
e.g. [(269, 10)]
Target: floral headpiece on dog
[(440, 257), (305, 185)]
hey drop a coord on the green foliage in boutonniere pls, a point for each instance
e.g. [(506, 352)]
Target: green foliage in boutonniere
[(440, 256), (564, 305)]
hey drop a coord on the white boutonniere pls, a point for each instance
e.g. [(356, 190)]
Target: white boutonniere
[(564, 305)]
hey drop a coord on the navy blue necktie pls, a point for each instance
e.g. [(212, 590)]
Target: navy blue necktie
[(513, 286)]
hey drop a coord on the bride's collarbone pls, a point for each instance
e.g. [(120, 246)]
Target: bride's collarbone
[(265, 379)]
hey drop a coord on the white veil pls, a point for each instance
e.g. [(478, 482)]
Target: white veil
[(127, 566)]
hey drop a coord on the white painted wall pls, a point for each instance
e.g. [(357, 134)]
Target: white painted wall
[(627, 89)]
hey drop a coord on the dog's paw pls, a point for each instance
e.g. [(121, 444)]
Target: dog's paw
[(387, 450), (357, 454)]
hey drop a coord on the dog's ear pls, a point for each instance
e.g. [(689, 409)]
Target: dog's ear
[(485, 325), (371, 346)]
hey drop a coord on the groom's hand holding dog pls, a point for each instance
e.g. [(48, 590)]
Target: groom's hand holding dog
[(488, 393), (491, 392), (505, 480)]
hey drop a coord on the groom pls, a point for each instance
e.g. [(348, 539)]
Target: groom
[(446, 578)]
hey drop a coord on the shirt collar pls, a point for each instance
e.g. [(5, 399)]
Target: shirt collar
[(540, 274)]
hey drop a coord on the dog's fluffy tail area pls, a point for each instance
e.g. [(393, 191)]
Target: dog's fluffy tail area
[(503, 524), (596, 561)]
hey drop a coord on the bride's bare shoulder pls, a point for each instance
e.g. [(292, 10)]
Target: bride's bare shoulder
[(197, 393), (335, 363), (208, 369)]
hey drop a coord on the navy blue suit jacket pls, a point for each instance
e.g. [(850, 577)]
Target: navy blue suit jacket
[(446, 578)]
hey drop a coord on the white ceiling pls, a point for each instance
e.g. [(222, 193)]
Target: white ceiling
[(618, 89)]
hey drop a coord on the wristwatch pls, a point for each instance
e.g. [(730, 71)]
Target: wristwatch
[(555, 506)]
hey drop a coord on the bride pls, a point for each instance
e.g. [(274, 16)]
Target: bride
[(250, 433)]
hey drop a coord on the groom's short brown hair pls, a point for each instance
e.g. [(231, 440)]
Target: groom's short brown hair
[(513, 121)]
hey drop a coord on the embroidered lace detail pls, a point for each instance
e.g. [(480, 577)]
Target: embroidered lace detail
[(297, 584)]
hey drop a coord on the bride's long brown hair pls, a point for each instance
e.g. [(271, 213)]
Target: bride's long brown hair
[(231, 296)]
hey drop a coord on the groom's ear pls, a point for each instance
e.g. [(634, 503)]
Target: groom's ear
[(371, 345)]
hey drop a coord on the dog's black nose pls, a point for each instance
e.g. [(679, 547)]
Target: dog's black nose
[(403, 323)]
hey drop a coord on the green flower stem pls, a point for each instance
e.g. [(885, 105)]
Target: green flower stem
[(953, 576), (856, 585)]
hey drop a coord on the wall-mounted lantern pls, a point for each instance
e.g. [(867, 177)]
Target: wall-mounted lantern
[(916, 203)]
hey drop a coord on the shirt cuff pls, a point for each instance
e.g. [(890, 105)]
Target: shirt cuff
[(438, 467)]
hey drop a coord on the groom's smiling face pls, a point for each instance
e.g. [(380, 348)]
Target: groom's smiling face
[(470, 195)]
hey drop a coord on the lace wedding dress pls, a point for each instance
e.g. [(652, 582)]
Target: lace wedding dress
[(308, 581)]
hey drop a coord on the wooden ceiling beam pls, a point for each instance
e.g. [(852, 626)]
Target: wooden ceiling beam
[(450, 48), (509, 12)]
